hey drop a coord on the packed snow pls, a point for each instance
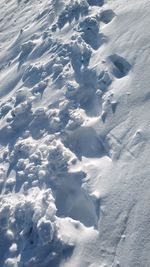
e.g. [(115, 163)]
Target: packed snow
[(74, 133)]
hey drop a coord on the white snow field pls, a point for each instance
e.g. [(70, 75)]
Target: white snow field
[(74, 133)]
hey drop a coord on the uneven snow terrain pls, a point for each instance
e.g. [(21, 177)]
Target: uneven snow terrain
[(74, 133)]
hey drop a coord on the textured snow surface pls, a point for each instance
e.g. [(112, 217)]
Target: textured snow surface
[(74, 133)]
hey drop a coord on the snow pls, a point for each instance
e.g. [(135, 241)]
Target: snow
[(74, 133)]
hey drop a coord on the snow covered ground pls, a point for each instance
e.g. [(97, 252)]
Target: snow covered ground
[(74, 133)]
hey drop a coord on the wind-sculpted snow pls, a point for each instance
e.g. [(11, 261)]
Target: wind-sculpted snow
[(73, 133)]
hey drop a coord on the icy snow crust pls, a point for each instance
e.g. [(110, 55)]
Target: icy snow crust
[(74, 133)]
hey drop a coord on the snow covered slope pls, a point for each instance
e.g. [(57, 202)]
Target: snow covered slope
[(74, 133)]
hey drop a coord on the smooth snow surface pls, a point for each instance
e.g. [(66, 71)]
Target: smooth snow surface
[(74, 133)]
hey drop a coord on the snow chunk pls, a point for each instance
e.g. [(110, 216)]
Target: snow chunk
[(45, 231), (72, 11), (59, 158)]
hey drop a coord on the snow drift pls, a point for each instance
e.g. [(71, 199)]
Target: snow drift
[(74, 133)]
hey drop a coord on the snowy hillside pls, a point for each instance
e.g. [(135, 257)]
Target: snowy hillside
[(74, 133)]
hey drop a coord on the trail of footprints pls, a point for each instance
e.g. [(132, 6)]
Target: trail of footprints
[(44, 144)]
